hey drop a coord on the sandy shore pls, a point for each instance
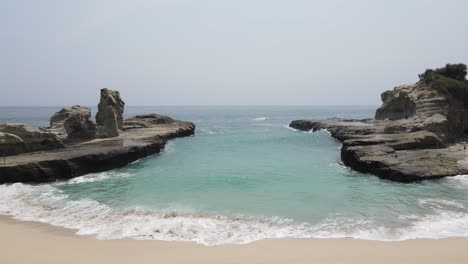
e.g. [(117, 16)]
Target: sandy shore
[(27, 242)]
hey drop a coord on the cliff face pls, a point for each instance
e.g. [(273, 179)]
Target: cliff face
[(438, 107), (397, 104), (413, 135)]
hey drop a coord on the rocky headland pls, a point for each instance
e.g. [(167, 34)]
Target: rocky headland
[(417, 134), (74, 145)]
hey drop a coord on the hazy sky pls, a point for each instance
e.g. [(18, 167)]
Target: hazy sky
[(218, 52)]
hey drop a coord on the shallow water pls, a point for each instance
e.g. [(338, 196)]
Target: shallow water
[(244, 176)]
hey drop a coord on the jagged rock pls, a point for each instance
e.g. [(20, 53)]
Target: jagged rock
[(73, 124), (33, 139), (421, 106), (110, 113), (397, 104), (407, 141)]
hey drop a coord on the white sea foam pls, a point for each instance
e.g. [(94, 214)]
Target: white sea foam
[(93, 177), (459, 181), (440, 203), (297, 130), (443, 223), (260, 118), (169, 147), (293, 129), (47, 204), (322, 130)]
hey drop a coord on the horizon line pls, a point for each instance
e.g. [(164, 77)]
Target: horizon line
[(196, 105)]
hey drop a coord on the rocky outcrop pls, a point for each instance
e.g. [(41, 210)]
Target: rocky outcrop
[(397, 104), (73, 145), (145, 121), (413, 136), (439, 107), (403, 157), (96, 158), (69, 125), (73, 124), (18, 138), (96, 155), (110, 113)]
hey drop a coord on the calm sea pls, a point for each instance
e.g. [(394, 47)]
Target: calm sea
[(244, 176)]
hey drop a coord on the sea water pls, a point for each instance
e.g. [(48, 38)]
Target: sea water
[(243, 176)]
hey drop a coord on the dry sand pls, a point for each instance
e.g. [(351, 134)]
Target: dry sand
[(27, 242)]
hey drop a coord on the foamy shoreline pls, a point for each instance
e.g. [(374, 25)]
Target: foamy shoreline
[(89, 217), (30, 242)]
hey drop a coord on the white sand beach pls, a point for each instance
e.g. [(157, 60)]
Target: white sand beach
[(29, 242)]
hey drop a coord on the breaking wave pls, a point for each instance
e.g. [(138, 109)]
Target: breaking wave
[(48, 204), (94, 177)]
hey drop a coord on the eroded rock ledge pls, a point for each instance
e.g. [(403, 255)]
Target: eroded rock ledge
[(74, 145), (92, 156), (416, 135)]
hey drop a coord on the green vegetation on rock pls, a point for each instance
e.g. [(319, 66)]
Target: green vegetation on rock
[(452, 71)]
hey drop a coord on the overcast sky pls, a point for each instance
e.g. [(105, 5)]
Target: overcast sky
[(253, 52)]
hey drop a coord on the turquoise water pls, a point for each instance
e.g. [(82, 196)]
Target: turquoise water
[(244, 176)]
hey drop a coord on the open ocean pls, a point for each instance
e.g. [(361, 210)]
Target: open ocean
[(244, 176)]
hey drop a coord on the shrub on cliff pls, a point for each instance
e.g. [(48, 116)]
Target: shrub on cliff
[(453, 71), (453, 88)]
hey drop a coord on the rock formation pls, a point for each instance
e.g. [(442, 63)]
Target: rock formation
[(18, 138), (434, 107), (146, 121), (110, 113), (73, 124), (413, 135), (74, 152), (97, 155), (69, 125)]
